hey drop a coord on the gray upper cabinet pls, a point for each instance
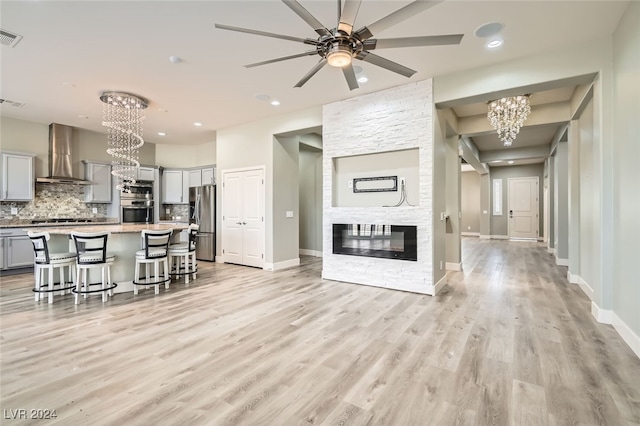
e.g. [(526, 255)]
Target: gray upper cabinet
[(209, 176), (146, 173), (17, 177), (175, 187), (100, 176)]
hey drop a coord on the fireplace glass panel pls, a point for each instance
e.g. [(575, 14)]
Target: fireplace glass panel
[(384, 241)]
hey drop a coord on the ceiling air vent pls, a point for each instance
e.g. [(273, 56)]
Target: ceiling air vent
[(9, 39), (12, 103)]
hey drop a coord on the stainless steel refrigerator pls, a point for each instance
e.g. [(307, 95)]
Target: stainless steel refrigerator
[(202, 210)]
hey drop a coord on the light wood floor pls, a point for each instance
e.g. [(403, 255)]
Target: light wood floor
[(507, 342)]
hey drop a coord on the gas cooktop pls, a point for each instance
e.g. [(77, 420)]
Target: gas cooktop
[(61, 220)]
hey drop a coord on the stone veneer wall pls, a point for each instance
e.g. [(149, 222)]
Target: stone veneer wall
[(53, 200), (394, 119)]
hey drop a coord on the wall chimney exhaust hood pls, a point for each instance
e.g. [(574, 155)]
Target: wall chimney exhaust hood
[(60, 157)]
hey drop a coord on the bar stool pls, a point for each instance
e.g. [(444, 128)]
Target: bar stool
[(155, 250), (91, 253), (44, 260), (180, 254)]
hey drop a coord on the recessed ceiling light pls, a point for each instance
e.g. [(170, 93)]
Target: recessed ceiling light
[(162, 134), (363, 79), (197, 124), (496, 42), (510, 161), (488, 30), (174, 59), (275, 102)]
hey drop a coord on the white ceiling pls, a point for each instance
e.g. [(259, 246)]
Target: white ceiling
[(71, 51)]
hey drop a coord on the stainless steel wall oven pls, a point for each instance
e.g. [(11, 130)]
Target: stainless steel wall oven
[(137, 205)]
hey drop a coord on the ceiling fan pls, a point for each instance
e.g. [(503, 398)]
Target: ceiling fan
[(340, 45)]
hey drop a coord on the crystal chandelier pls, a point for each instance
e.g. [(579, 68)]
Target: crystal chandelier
[(123, 119), (507, 115)]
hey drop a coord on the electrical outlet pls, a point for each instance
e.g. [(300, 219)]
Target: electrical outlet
[(468, 228), (94, 210), (402, 181), (14, 210), (167, 211), (441, 266), (350, 184)]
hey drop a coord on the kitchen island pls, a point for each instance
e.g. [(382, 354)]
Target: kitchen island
[(124, 240)]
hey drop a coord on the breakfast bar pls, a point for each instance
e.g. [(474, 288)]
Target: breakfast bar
[(124, 240)]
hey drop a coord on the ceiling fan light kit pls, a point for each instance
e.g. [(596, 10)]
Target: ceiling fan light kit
[(341, 45)]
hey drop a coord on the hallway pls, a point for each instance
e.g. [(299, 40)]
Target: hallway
[(508, 341)]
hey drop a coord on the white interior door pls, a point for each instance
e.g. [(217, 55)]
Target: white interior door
[(523, 207), (243, 217)]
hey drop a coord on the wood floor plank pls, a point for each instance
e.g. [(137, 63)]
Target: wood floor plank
[(507, 341)]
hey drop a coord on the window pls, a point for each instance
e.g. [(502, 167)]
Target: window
[(497, 197)]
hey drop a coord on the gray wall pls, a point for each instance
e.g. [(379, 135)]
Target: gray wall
[(452, 225), (470, 202), (626, 173), (310, 198), (393, 163), (561, 202), (499, 224), (285, 198)]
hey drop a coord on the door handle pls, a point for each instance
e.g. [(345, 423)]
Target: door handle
[(510, 213), (244, 223), (238, 223)]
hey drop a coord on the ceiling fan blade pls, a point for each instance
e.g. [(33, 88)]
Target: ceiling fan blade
[(266, 34), (284, 58), (390, 43), (385, 63), (396, 17), (307, 17), (311, 73), (350, 76), (348, 16)]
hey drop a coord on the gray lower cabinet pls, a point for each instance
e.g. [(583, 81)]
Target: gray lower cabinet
[(16, 250)]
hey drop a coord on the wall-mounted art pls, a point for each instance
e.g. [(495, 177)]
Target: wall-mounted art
[(376, 184)]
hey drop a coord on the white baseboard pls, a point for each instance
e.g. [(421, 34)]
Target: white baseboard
[(606, 316), (551, 250), (485, 237), (314, 253), (499, 237), (438, 286), (577, 279), (627, 334), (219, 259), (470, 234), (451, 266), (562, 262), (282, 265)]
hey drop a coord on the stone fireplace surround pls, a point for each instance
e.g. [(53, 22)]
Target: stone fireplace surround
[(399, 118)]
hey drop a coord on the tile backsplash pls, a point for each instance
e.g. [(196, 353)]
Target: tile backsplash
[(176, 212), (54, 200)]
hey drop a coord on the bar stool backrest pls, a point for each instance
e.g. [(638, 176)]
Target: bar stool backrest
[(91, 247), (40, 247), (156, 243), (193, 236)]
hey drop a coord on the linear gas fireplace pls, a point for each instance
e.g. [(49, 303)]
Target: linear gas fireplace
[(384, 241)]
